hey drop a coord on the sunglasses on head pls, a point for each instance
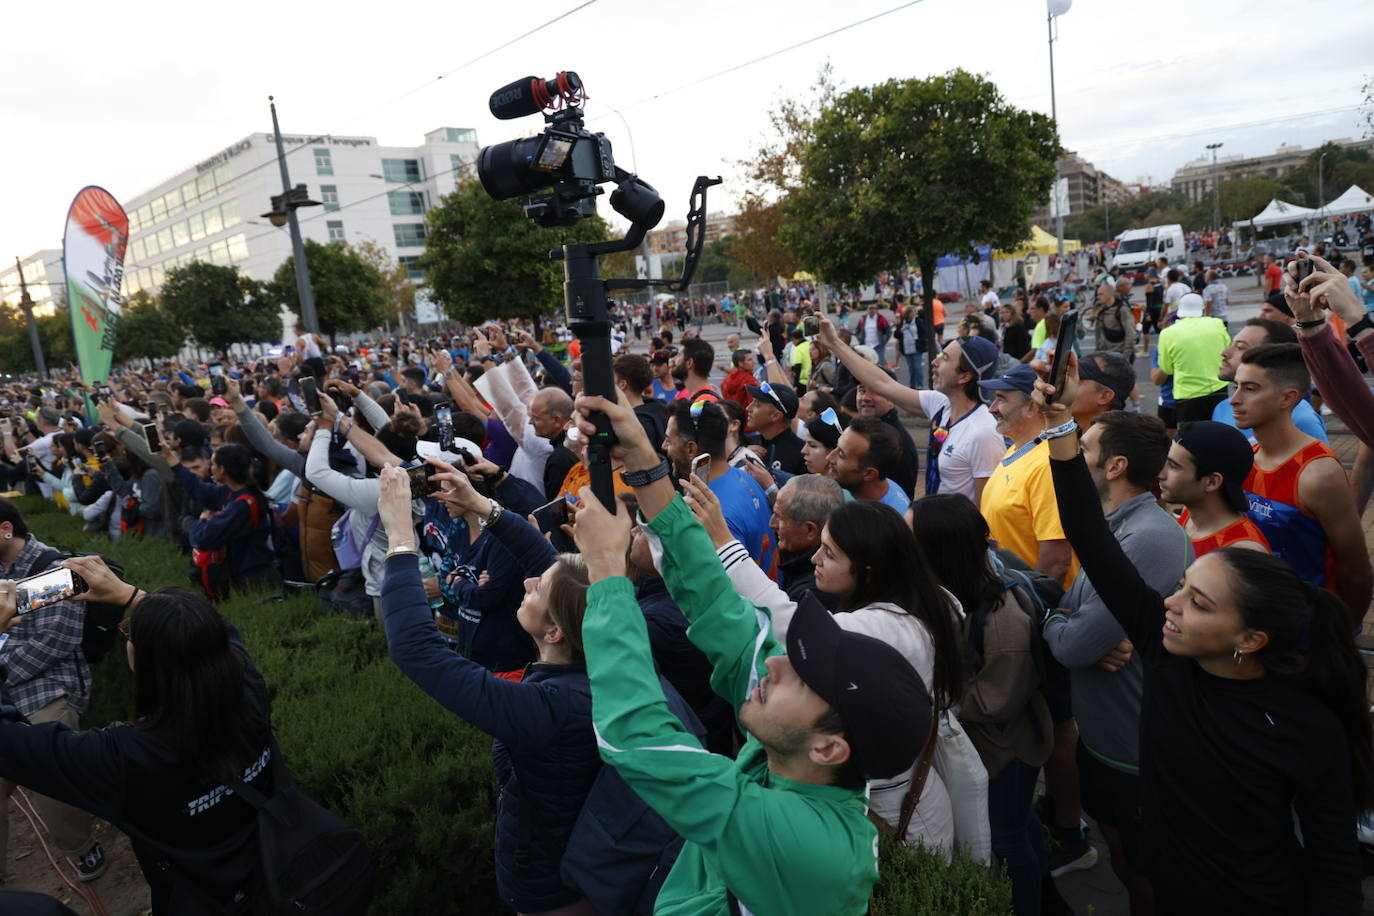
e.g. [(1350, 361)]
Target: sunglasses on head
[(830, 418)]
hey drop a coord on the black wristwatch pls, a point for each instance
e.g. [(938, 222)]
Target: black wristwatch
[(1355, 329), (644, 478)]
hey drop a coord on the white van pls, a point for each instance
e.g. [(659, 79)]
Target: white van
[(1138, 248)]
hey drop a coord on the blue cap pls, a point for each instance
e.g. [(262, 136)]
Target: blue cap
[(981, 354), (1018, 378)]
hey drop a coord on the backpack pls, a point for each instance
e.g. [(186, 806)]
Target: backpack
[(620, 850), (304, 858), (129, 520), (210, 568), (1114, 334), (1035, 593), (98, 628), (347, 551)]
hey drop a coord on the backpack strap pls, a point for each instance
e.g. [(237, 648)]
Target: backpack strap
[(915, 788), (43, 561)]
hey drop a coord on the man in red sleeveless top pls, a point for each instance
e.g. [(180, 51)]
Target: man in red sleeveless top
[(1205, 473), (1299, 493)]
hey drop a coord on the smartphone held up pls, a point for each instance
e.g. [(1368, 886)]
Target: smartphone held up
[(46, 588)]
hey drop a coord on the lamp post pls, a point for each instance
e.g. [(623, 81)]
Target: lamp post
[(1056, 8), (26, 303), (283, 212), (1216, 188), (1321, 189)]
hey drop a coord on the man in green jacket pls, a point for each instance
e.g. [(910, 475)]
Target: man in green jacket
[(782, 829)]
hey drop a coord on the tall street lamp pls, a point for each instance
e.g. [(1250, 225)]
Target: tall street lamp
[(1216, 188), (283, 212), (1321, 189), (1055, 9), (26, 303)]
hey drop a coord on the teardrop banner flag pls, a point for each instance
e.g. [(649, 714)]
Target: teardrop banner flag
[(93, 257)]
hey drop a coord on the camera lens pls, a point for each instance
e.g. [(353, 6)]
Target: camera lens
[(504, 168)]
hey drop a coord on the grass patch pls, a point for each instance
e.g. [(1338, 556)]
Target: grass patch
[(415, 779)]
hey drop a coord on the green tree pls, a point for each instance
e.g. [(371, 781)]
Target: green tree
[(350, 292), (485, 259), (217, 306), (146, 330), (909, 170), (54, 336), (398, 290)]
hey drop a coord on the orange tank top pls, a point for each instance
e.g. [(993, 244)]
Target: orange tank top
[(1241, 530), (1292, 532)]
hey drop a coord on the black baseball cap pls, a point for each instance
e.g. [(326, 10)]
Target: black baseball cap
[(1118, 374), (881, 700), (1218, 448), (780, 396)]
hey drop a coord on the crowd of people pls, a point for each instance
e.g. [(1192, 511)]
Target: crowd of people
[(791, 629)]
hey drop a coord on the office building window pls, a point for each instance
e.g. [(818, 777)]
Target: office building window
[(460, 135), (230, 213), (205, 185), (197, 224), (406, 203), (329, 196), (238, 248), (336, 230), (409, 235), (323, 164), (181, 234), (409, 262), (401, 169), (213, 223)]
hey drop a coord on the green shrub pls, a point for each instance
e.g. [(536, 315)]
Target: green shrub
[(416, 780)]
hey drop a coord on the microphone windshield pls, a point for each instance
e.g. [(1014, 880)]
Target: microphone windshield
[(517, 99)]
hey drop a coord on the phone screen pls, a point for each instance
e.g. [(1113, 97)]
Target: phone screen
[(216, 369), (420, 485), (154, 440), (1068, 330), (43, 589), (311, 395)]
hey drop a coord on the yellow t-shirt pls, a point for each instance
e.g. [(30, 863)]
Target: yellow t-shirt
[(801, 356), (1019, 505)]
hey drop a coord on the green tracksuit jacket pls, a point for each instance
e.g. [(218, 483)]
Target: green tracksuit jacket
[(783, 848)]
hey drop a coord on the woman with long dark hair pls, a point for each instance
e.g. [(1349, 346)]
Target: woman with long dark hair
[(1257, 755), (1001, 706), (869, 557), (199, 721)]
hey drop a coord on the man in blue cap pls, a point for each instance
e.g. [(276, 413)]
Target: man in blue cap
[(964, 442), (1018, 501)]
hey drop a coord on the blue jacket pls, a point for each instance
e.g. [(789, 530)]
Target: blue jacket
[(544, 751), (248, 547), (489, 634)]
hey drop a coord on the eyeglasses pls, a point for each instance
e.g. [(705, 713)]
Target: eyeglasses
[(123, 627)]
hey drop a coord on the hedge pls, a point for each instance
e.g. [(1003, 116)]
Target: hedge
[(365, 741)]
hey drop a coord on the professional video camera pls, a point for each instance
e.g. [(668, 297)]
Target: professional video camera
[(560, 173)]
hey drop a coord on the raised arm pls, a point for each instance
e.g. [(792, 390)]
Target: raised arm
[(1333, 370), (355, 492), (868, 374)]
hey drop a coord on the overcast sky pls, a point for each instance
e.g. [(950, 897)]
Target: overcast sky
[(125, 95)]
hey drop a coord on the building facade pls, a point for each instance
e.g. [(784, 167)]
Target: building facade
[(43, 276), (1086, 187), (369, 192), (672, 238), (1194, 179)]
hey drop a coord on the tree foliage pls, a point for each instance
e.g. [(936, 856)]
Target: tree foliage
[(485, 259), (217, 306), (350, 292), (398, 291), (914, 169), (54, 336), (146, 330), (771, 174)]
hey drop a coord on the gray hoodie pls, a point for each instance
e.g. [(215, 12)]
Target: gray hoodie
[(1107, 704)]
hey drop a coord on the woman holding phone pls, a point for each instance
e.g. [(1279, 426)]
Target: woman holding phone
[(1257, 756), (200, 720)]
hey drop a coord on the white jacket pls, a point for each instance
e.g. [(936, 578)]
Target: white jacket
[(933, 822)]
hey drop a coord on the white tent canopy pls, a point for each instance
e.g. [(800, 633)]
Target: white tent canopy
[(1354, 200), (1279, 212)]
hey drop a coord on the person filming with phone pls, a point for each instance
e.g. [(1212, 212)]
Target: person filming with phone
[(47, 679)]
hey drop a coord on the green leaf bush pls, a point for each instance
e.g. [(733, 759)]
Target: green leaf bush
[(363, 740)]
